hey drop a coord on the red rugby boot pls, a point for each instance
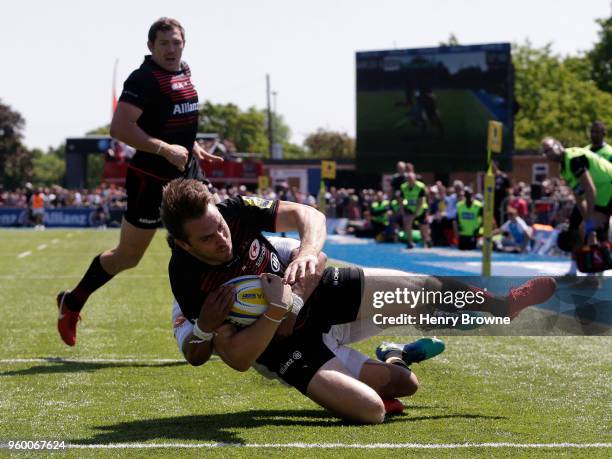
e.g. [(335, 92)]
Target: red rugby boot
[(66, 321), (535, 291)]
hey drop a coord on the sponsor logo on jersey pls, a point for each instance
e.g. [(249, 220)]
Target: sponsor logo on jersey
[(274, 262), (262, 256), (178, 85), (185, 107), (257, 202), (254, 249)]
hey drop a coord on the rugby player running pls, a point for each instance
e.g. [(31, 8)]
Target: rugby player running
[(214, 243), (157, 114)]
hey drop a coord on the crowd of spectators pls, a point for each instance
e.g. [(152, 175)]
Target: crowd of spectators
[(522, 212), (360, 209)]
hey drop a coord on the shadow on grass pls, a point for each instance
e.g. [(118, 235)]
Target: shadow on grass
[(58, 365), (227, 427)]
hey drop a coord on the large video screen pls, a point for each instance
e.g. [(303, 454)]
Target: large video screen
[(431, 106)]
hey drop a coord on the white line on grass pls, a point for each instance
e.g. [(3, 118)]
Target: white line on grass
[(110, 360), (78, 276), (54, 241), (24, 254), (343, 445), (42, 247)]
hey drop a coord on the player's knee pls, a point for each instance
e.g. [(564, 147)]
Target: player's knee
[(372, 413), (409, 384), (403, 382)]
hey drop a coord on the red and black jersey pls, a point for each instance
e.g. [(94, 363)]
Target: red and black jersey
[(169, 104), (191, 279)]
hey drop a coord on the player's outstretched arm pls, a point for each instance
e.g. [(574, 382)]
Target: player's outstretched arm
[(589, 193), (310, 224)]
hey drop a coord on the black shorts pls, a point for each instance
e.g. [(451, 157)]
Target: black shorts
[(336, 300), (421, 219), (144, 194), (467, 242)]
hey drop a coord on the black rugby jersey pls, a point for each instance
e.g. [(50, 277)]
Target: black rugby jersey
[(191, 279), (169, 104)]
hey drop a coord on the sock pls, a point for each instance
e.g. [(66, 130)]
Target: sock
[(395, 358), (94, 278), (496, 305)]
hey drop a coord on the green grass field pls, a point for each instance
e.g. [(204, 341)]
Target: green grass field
[(124, 382)]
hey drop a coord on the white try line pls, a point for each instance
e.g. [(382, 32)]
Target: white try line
[(78, 276), (103, 360), (342, 445), (24, 254)]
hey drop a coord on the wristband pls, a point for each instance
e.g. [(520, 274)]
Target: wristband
[(273, 320), (287, 307), (204, 336), (159, 148), (297, 305)]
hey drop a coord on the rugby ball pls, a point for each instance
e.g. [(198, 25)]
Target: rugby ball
[(249, 303)]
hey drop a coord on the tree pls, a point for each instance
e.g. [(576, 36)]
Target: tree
[(555, 98), (247, 129), (48, 167), (601, 56), (102, 130), (452, 41), (330, 144), (15, 160)]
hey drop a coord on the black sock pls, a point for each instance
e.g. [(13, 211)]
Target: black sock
[(94, 278)]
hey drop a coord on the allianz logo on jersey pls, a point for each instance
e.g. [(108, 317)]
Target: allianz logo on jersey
[(177, 85), (185, 107)]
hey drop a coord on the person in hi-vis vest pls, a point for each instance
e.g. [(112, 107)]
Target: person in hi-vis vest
[(468, 221)]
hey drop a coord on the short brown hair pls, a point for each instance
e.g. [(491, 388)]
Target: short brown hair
[(165, 24), (182, 200)]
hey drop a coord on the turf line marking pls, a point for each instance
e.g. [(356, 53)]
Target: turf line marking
[(24, 254), (78, 276), (342, 445), (41, 247), (54, 241), (110, 360)]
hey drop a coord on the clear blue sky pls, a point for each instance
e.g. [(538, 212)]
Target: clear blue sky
[(58, 55)]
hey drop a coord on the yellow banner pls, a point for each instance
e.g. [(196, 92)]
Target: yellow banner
[(494, 138), (328, 169)]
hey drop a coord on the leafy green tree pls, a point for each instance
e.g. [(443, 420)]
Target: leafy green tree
[(15, 159), (248, 129), (601, 56), (48, 168), (555, 97), (330, 144), (102, 130)]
